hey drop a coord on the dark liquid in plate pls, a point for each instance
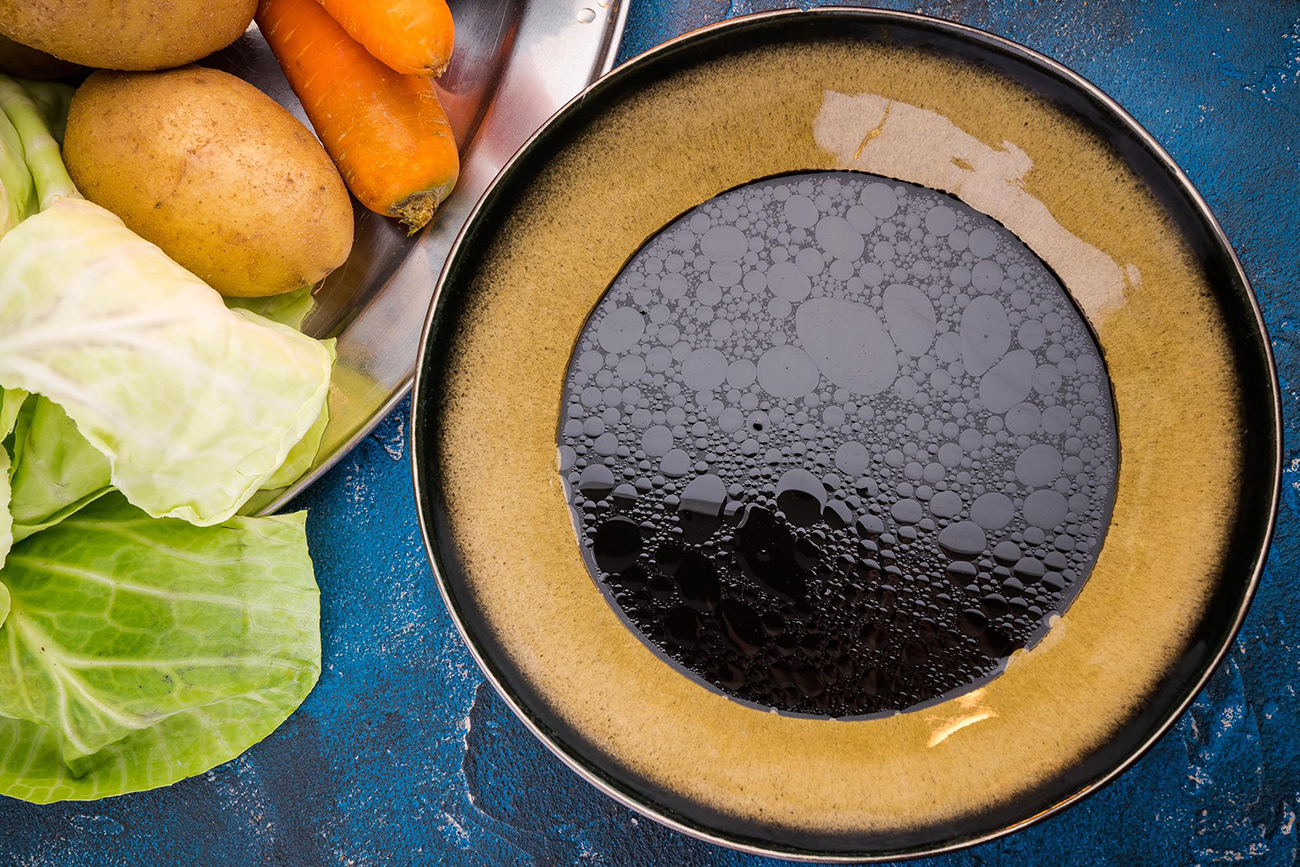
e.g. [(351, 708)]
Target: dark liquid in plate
[(837, 445)]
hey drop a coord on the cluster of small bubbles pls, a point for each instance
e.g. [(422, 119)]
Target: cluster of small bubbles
[(838, 445)]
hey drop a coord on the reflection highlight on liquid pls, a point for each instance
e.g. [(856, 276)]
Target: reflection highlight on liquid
[(968, 710)]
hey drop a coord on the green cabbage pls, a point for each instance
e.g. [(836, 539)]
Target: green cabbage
[(301, 456), (11, 404), (56, 470), (17, 190), (139, 651), (289, 308), (194, 405), (6, 520), (146, 635)]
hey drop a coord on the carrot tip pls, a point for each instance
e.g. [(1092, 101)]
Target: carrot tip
[(417, 209)]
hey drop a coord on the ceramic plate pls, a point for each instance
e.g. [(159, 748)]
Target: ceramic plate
[(944, 139)]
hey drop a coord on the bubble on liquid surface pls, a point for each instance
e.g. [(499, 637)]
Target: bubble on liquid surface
[(1008, 382), (837, 445), (911, 319), (848, 343), (985, 334)]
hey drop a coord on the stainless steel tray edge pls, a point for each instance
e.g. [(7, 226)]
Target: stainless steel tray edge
[(554, 53)]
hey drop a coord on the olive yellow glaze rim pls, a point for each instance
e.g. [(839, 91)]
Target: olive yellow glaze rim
[(424, 447)]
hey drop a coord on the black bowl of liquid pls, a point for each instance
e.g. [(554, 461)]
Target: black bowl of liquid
[(845, 435)]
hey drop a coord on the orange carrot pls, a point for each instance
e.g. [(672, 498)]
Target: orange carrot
[(413, 37), (386, 132)]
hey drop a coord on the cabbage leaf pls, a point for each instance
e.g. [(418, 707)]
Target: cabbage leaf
[(302, 455), (11, 403), (137, 652), (17, 189), (6, 522), (56, 470), (195, 406), (288, 308)]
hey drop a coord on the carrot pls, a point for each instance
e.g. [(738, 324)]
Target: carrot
[(386, 132), (413, 37)]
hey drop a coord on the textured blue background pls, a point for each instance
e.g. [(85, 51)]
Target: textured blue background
[(403, 755)]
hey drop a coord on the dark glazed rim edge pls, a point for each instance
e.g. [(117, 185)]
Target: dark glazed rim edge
[(990, 41)]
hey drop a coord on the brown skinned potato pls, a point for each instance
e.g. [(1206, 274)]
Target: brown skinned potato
[(214, 172), (126, 34)]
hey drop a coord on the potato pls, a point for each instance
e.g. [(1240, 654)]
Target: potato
[(126, 34), (18, 59), (213, 171)]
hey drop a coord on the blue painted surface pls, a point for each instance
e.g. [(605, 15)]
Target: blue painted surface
[(403, 755)]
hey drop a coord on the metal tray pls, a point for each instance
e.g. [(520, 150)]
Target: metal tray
[(515, 64)]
